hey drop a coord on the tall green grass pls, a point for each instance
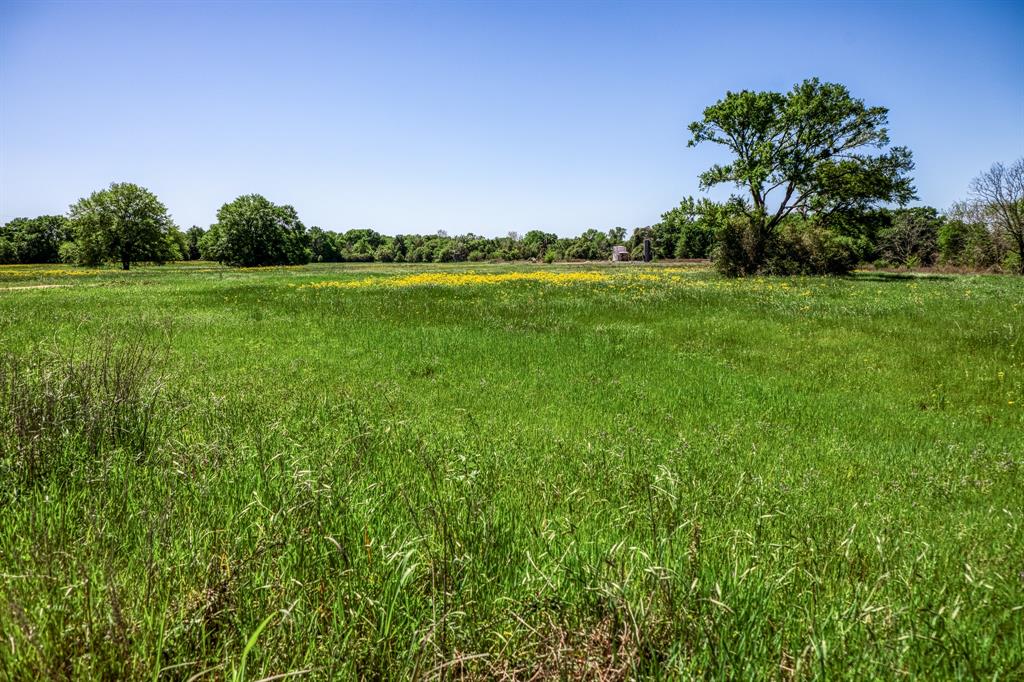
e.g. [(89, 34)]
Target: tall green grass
[(773, 478)]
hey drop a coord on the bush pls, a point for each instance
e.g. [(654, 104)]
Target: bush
[(69, 253), (1010, 262), (800, 247), (808, 249), (688, 230), (34, 240), (210, 244), (695, 240), (8, 254), (734, 250)]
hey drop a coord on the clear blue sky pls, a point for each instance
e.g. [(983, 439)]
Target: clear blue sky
[(483, 117)]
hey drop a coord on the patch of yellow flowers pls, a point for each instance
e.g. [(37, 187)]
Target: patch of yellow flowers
[(23, 272), (482, 279), (631, 279)]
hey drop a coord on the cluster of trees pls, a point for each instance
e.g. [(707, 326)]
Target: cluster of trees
[(126, 224), (970, 235), (34, 240), (817, 179), (683, 233)]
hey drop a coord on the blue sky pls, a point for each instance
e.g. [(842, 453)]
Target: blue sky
[(483, 117)]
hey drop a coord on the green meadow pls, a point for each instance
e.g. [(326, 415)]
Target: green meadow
[(477, 472)]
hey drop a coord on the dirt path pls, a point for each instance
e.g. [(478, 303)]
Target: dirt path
[(36, 286)]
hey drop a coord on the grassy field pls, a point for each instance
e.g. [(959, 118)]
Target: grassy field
[(519, 471)]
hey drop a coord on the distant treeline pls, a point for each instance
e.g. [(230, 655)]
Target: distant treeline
[(904, 237), (685, 232), (912, 237)]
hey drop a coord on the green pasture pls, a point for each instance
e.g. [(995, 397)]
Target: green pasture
[(575, 471)]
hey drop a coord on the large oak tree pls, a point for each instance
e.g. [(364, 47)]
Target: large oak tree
[(253, 231), (808, 150), (124, 223)]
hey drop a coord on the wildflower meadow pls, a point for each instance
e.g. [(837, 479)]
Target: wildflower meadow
[(477, 472)]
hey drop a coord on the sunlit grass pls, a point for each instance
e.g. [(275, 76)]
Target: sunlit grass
[(491, 471)]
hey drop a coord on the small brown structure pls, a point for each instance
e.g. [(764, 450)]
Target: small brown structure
[(620, 254)]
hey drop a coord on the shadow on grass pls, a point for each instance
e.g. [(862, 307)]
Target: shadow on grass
[(893, 277)]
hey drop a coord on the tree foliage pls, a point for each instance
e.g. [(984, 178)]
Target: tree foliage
[(912, 238), (193, 236), (124, 223), (252, 231), (34, 240), (688, 230), (805, 151), (965, 239)]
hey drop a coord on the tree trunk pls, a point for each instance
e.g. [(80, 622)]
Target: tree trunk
[(759, 246)]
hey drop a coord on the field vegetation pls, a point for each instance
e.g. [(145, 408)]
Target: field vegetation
[(401, 471)]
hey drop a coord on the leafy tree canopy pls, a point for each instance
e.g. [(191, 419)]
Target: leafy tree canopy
[(124, 223), (808, 150), (34, 240), (193, 236), (252, 231)]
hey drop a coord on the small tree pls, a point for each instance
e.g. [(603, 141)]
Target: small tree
[(913, 237), (124, 223), (252, 231), (323, 245), (177, 245), (535, 243), (966, 239), (802, 151), (591, 245), (8, 254), (687, 231), (998, 194), (193, 236)]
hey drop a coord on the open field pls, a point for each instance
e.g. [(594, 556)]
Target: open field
[(579, 471)]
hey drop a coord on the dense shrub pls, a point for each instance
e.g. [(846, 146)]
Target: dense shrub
[(190, 248), (734, 249), (805, 248), (591, 245), (685, 231), (69, 253), (8, 254), (799, 247), (695, 239)]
